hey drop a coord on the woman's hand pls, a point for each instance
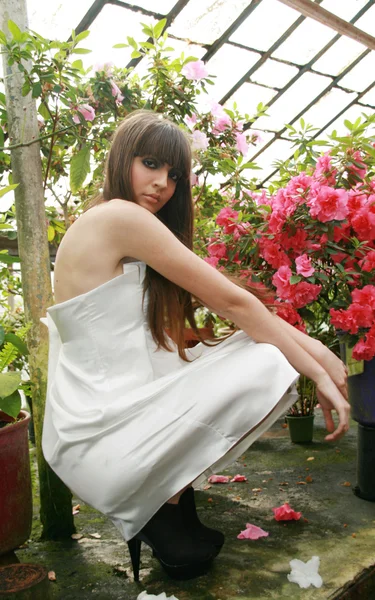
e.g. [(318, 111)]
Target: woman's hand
[(331, 398)]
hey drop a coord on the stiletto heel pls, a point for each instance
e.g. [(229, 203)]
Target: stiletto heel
[(181, 556), (193, 524), (134, 546)]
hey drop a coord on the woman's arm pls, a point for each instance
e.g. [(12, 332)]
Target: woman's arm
[(134, 231), (327, 359)]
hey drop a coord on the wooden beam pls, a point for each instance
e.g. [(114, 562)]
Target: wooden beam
[(308, 8)]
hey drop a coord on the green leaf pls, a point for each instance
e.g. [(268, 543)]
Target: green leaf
[(81, 51), (9, 383), (50, 233), (11, 404), (158, 29), (37, 90), (7, 189), (135, 54), (7, 259), (132, 42), (120, 46), (43, 111), (77, 64), (25, 89), (348, 125), (295, 279), (17, 343), (2, 335), (79, 168), (3, 39), (81, 36), (14, 30)]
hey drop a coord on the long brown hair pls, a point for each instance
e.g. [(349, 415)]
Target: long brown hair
[(146, 133)]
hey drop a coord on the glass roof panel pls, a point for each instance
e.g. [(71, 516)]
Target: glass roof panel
[(367, 21), (229, 64), (302, 45), (361, 75), (111, 27), (279, 150), (248, 96), (274, 74), (369, 98), (351, 114), (293, 101), (339, 56), (205, 20), (55, 19), (327, 107), (259, 31)]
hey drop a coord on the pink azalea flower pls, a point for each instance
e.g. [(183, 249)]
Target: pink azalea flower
[(219, 250), (116, 93), (238, 478), (200, 140), (241, 143), (365, 349), (194, 179), (324, 171), (222, 120), (195, 70), (368, 262), (190, 121), (218, 479), (365, 296), (302, 293), (211, 260), (226, 218), (303, 266), (252, 532), (86, 111), (328, 204), (286, 513), (106, 68), (285, 311)]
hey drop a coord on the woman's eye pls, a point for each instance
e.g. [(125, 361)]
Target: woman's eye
[(149, 163), (174, 175)]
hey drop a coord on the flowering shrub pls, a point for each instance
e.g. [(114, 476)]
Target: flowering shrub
[(311, 241)]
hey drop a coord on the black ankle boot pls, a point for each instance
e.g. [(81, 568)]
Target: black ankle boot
[(181, 555), (193, 524)]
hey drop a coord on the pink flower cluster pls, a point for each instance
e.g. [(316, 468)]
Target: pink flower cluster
[(360, 314), (312, 241)]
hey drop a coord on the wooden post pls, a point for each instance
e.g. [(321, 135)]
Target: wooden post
[(56, 508)]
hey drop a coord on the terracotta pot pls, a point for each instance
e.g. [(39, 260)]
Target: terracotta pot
[(15, 483), (301, 429)]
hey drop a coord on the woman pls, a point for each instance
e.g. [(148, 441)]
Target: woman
[(131, 420)]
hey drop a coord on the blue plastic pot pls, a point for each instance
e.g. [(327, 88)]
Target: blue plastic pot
[(362, 392)]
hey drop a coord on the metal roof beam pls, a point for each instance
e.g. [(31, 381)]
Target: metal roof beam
[(323, 16)]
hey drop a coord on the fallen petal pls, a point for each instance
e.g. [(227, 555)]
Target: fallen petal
[(52, 575), (218, 479), (76, 536), (286, 513), (252, 532), (238, 478), (97, 536), (305, 574), (145, 596)]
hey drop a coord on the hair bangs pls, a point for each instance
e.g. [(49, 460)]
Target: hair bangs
[(167, 143)]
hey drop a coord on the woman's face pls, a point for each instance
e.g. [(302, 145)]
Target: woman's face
[(153, 182)]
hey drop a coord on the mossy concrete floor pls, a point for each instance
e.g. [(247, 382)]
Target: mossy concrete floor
[(316, 479)]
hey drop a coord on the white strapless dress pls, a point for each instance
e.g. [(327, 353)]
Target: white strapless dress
[(126, 425)]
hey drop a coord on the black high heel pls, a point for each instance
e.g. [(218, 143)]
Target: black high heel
[(181, 556), (195, 526)]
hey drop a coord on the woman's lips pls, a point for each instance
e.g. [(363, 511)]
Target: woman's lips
[(153, 199)]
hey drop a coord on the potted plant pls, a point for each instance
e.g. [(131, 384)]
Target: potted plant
[(15, 481), (300, 417)]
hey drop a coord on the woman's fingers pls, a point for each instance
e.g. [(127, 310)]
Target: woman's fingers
[(343, 410)]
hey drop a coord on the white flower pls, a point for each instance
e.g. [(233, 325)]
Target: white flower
[(145, 596), (305, 574)]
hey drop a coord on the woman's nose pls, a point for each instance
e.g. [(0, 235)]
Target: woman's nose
[(161, 177)]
